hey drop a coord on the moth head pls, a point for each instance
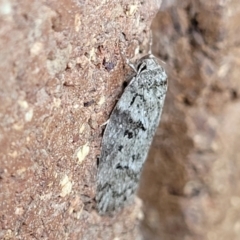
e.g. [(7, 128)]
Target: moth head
[(151, 72), (148, 62)]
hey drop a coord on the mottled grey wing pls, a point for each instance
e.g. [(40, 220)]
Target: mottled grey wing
[(125, 144)]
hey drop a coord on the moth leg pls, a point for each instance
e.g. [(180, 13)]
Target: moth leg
[(131, 65), (128, 62), (105, 123)]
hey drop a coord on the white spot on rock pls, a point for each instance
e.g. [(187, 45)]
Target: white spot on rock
[(77, 22), (66, 185), (82, 128), (82, 152), (5, 8), (36, 48), (29, 115), (23, 104), (101, 100)]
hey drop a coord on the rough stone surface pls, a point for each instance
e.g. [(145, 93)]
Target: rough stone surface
[(191, 184), (61, 72)]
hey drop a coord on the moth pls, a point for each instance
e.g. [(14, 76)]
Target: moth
[(128, 135)]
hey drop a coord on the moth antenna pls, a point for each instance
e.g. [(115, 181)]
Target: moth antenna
[(150, 43), (127, 61)]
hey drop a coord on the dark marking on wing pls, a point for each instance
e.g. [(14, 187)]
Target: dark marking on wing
[(128, 134)]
